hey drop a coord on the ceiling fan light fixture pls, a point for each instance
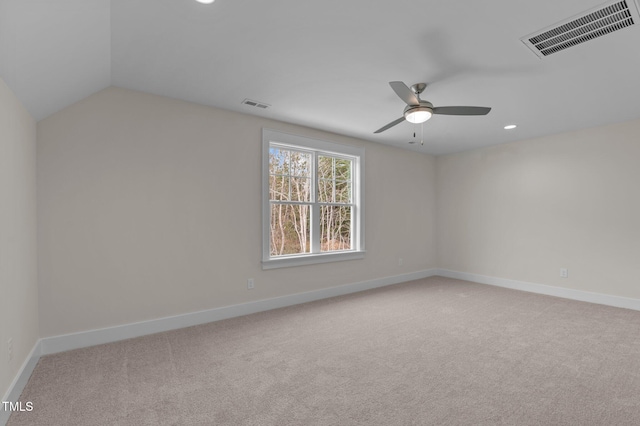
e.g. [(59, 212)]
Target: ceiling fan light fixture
[(418, 115), (418, 111)]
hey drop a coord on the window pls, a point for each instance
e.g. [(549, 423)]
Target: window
[(312, 208)]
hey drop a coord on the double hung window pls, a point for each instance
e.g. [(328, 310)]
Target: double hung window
[(312, 201)]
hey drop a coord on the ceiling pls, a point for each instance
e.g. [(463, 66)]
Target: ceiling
[(326, 64)]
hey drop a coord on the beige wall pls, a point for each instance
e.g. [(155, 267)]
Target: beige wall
[(18, 287), (150, 207), (524, 210)]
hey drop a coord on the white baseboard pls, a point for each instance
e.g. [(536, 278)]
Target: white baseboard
[(83, 339), (20, 381), (566, 293)]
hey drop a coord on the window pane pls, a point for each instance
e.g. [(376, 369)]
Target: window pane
[(290, 229), (334, 184), (300, 164), (278, 161), (335, 228), (325, 167), (343, 192), (289, 175), (300, 189), (325, 191), (279, 188), (343, 169)]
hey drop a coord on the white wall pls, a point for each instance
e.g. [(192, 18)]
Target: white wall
[(150, 207), (524, 210), (18, 286)]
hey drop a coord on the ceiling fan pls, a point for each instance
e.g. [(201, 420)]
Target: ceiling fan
[(419, 111)]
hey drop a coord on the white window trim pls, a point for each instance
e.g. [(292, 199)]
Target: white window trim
[(358, 251)]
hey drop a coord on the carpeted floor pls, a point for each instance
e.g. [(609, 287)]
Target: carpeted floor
[(431, 352)]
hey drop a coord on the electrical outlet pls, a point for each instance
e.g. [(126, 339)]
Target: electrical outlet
[(564, 273), (250, 284), (10, 348)]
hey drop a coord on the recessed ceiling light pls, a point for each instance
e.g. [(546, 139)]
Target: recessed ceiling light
[(510, 126), (205, 1)]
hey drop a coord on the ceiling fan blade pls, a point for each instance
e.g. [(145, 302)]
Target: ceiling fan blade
[(390, 125), (404, 92), (461, 110)]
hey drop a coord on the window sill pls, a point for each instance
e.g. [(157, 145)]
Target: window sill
[(291, 261)]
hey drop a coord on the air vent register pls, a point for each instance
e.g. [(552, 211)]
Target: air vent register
[(607, 18)]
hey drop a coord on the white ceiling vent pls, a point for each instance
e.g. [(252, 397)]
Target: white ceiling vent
[(604, 19), (255, 104)]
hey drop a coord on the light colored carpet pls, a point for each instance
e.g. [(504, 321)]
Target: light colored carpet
[(431, 352)]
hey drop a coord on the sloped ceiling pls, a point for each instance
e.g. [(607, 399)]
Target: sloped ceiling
[(327, 64), (54, 53)]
